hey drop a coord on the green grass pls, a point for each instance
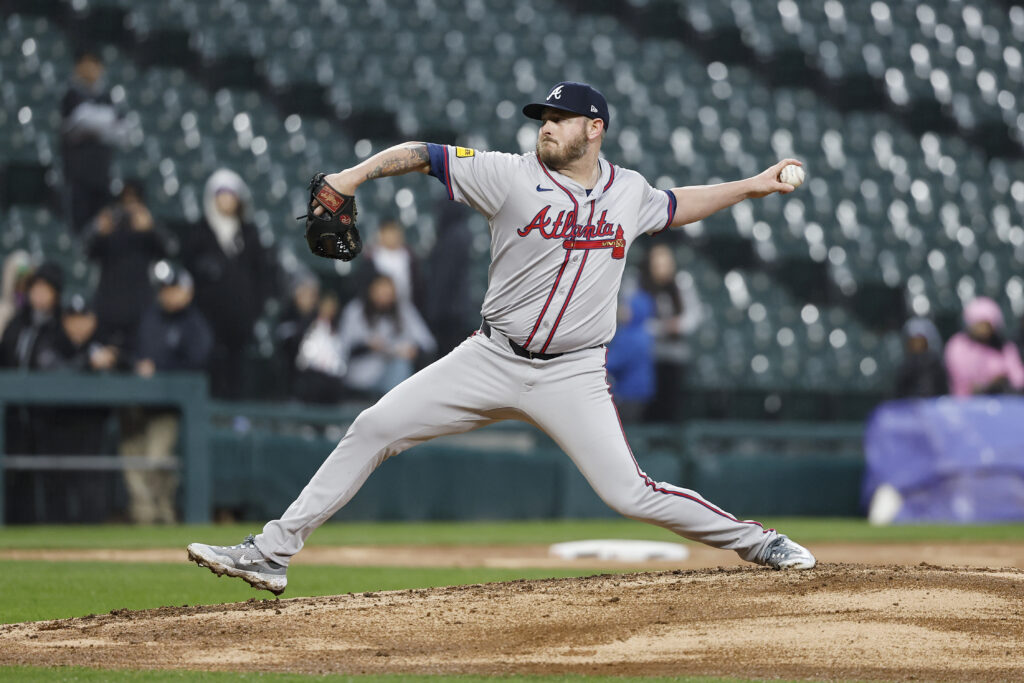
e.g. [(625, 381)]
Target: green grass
[(482, 533), (55, 590), (49, 675)]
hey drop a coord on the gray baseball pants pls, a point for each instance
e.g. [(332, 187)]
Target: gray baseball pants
[(481, 382)]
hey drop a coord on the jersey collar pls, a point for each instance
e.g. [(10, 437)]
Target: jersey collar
[(604, 181)]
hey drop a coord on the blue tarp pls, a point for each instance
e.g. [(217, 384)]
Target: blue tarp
[(952, 459)]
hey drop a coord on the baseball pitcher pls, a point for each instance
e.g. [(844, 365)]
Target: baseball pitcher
[(561, 219)]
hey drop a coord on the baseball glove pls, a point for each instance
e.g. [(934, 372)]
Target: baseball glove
[(333, 233)]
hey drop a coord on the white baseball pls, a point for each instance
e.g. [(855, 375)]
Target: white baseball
[(792, 174)]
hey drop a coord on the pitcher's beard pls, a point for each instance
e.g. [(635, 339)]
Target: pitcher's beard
[(557, 158)]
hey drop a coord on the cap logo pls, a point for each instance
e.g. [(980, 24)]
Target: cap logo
[(556, 93), (593, 109)]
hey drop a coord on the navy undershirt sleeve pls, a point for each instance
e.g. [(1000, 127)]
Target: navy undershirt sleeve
[(437, 158), (671, 207)]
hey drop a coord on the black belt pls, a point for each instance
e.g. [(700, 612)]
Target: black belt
[(517, 349)]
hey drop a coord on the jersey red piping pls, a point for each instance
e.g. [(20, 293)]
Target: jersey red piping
[(571, 289), (651, 484), (572, 198), (547, 303), (671, 212), (447, 175), (611, 167), (565, 305), (575, 216)]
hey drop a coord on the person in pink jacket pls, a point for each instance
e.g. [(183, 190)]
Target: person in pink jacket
[(979, 359)]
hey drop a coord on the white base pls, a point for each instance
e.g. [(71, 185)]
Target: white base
[(620, 550), (885, 505)]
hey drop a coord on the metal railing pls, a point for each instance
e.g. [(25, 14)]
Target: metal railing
[(185, 392)]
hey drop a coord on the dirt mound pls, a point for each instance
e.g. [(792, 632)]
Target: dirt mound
[(835, 622)]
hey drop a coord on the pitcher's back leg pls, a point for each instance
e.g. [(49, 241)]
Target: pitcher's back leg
[(466, 389)]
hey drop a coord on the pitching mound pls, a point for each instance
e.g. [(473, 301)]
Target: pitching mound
[(835, 622)]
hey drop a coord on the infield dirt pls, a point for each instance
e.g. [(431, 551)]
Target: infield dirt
[(836, 622)]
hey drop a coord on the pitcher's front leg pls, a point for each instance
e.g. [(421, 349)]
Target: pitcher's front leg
[(575, 408)]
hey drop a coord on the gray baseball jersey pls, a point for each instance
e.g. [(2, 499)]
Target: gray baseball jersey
[(557, 256), (557, 251)]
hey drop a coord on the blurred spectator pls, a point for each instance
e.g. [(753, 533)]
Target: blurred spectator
[(173, 336), (320, 360), (979, 359), (17, 270), (382, 336), (922, 373), (630, 360), (1020, 337), (31, 341), (32, 338), (677, 314), (299, 312), (234, 276), (89, 129), (447, 304), (78, 496), (124, 242), (79, 348), (390, 256)]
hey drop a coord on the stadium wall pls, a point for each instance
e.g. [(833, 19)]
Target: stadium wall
[(249, 461)]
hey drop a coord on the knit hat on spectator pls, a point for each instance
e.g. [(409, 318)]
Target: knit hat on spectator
[(984, 310)]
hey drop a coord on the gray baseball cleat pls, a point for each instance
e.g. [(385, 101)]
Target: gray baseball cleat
[(783, 553), (244, 561)]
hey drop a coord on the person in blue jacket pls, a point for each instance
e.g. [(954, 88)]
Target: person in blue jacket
[(630, 361)]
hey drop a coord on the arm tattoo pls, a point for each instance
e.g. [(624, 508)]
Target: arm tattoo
[(411, 156)]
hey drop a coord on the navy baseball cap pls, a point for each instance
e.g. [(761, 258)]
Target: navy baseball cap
[(578, 98), (77, 304), (167, 274)]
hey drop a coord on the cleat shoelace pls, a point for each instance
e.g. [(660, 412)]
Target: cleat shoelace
[(780, 549), (248, 542)]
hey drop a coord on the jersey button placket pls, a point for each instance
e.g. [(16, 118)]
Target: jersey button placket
[(530, 377)]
